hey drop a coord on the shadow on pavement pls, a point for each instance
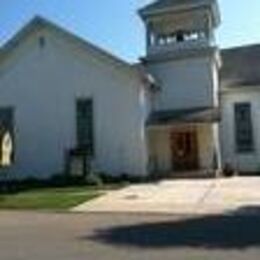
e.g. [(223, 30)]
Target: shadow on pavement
[(236, 230)]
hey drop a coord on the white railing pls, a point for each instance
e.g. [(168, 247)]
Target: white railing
[(179, 46)]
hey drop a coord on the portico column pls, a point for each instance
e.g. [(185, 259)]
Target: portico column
[(217, 148)]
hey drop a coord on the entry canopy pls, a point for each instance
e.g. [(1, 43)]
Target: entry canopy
[(193, 115)]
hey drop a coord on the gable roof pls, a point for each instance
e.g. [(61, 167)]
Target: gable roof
[(39, 22), (240, 67)]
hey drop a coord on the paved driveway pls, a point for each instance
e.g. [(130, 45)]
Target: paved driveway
[(41, 236), (192, 197)]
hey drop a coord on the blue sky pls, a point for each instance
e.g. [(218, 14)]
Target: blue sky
[(115, 26)]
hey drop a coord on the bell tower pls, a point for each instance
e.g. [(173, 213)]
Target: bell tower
[(176, 25), (184, 60)]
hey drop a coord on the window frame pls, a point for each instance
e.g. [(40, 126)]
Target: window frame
[(238, 127), (88, 147)]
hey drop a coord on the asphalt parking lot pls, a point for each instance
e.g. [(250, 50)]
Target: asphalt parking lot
[(32, 235)]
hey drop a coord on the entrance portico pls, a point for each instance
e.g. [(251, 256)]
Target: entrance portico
[(184, 143)]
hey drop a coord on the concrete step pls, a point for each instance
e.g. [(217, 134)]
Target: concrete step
[(201, 174)]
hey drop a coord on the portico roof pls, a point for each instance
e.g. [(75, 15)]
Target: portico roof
[(191, 115)]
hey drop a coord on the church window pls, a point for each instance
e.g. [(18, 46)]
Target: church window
[(243, 128), (6, 136), (85, 129)]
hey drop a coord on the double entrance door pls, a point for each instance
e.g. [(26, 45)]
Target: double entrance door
[(184, 150)]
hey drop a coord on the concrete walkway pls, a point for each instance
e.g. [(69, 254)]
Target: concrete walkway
[(193, 197)]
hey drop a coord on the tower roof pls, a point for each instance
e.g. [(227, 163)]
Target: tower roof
[(161, 6)]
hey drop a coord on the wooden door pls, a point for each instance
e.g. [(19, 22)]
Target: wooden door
[(184, 147)]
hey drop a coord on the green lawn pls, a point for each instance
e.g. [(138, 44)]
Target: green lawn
[(48, 198)]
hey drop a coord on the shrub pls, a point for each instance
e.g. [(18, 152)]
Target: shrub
[(228, 170), (93, 179)]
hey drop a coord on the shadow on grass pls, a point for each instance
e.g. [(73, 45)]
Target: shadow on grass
[(238, 230)]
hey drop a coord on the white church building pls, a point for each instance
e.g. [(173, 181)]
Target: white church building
[(185, 107)]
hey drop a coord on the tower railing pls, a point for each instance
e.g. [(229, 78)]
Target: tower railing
[(179, 46)]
